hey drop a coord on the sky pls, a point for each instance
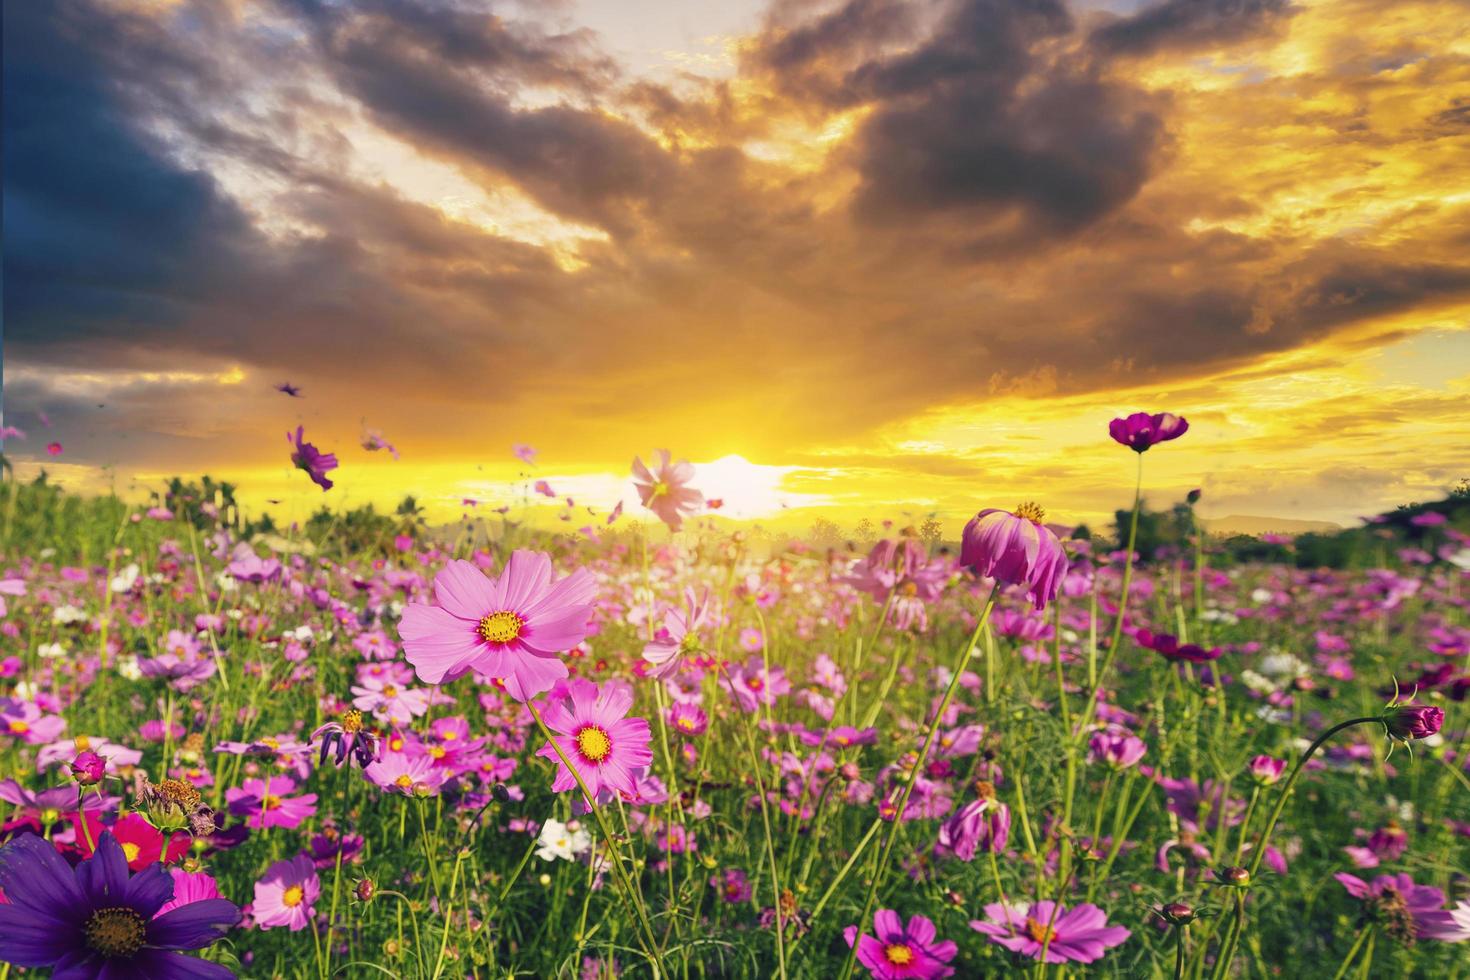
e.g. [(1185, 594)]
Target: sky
[(853, 259)]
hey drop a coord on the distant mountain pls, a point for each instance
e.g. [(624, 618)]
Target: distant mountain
[(1240, 524)]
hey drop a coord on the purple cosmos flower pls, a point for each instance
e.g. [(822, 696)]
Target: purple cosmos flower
[(97, 921), (1404, 909), (899, 952), (1016, 549), (1120, 751), (982, 825), (1141, 430), (308, 458), (1081, 935), (348, 737)]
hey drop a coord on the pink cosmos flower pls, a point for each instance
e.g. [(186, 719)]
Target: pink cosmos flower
[(609, 750), (265, 804), (398, 772), (388, 701), (1081, 935), (189, 887), (308, 458), (544, 489), (287, 894), (753, 685), (53, 449), (512, 627), (680, 636), (899, 952), (373, 440), (1016, 549), (665, 489), (1141, 430), (524, 453)]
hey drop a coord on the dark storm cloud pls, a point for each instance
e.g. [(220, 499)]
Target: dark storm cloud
[(103, 233), (1188, 24), (976, 122)]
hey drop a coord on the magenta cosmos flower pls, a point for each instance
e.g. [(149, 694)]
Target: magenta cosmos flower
[(308, 458), (287, 895), (610, 751), (899, 952), (1141, 430), (665, 489), (1016, 549), (1081, 935), (511, 627)]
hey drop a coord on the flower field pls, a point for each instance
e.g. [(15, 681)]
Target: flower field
[(678, 749)]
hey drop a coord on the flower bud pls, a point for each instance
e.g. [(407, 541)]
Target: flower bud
[(365, 890), (88, 768), (1177, 914), (1266, 770), (1407, 722)]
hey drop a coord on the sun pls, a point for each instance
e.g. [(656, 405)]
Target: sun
[(748, 490)]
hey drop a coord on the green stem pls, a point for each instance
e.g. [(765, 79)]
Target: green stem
[(908, 786)]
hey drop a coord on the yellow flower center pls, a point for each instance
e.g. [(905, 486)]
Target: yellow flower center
[(501, 627), (292, 896), (19, 727), (116, 932), (352, 721), (687, 724), (1031, 512), (1039, 931), (660, 489), (82, 743), (270, 742), (390, 691), (272, 802), (594, 744), (755, 683), (898, 954), (909, 588), (450, 735), (403, 782), (131, 851), (436, 752)]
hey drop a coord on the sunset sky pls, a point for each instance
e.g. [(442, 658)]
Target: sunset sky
[(865, 258)]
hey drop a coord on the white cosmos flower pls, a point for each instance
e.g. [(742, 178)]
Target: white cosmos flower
[(68, 614), (557, 841), (124, 580), (50, 651)]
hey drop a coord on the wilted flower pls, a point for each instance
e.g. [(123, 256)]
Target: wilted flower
[(1015, 549)]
